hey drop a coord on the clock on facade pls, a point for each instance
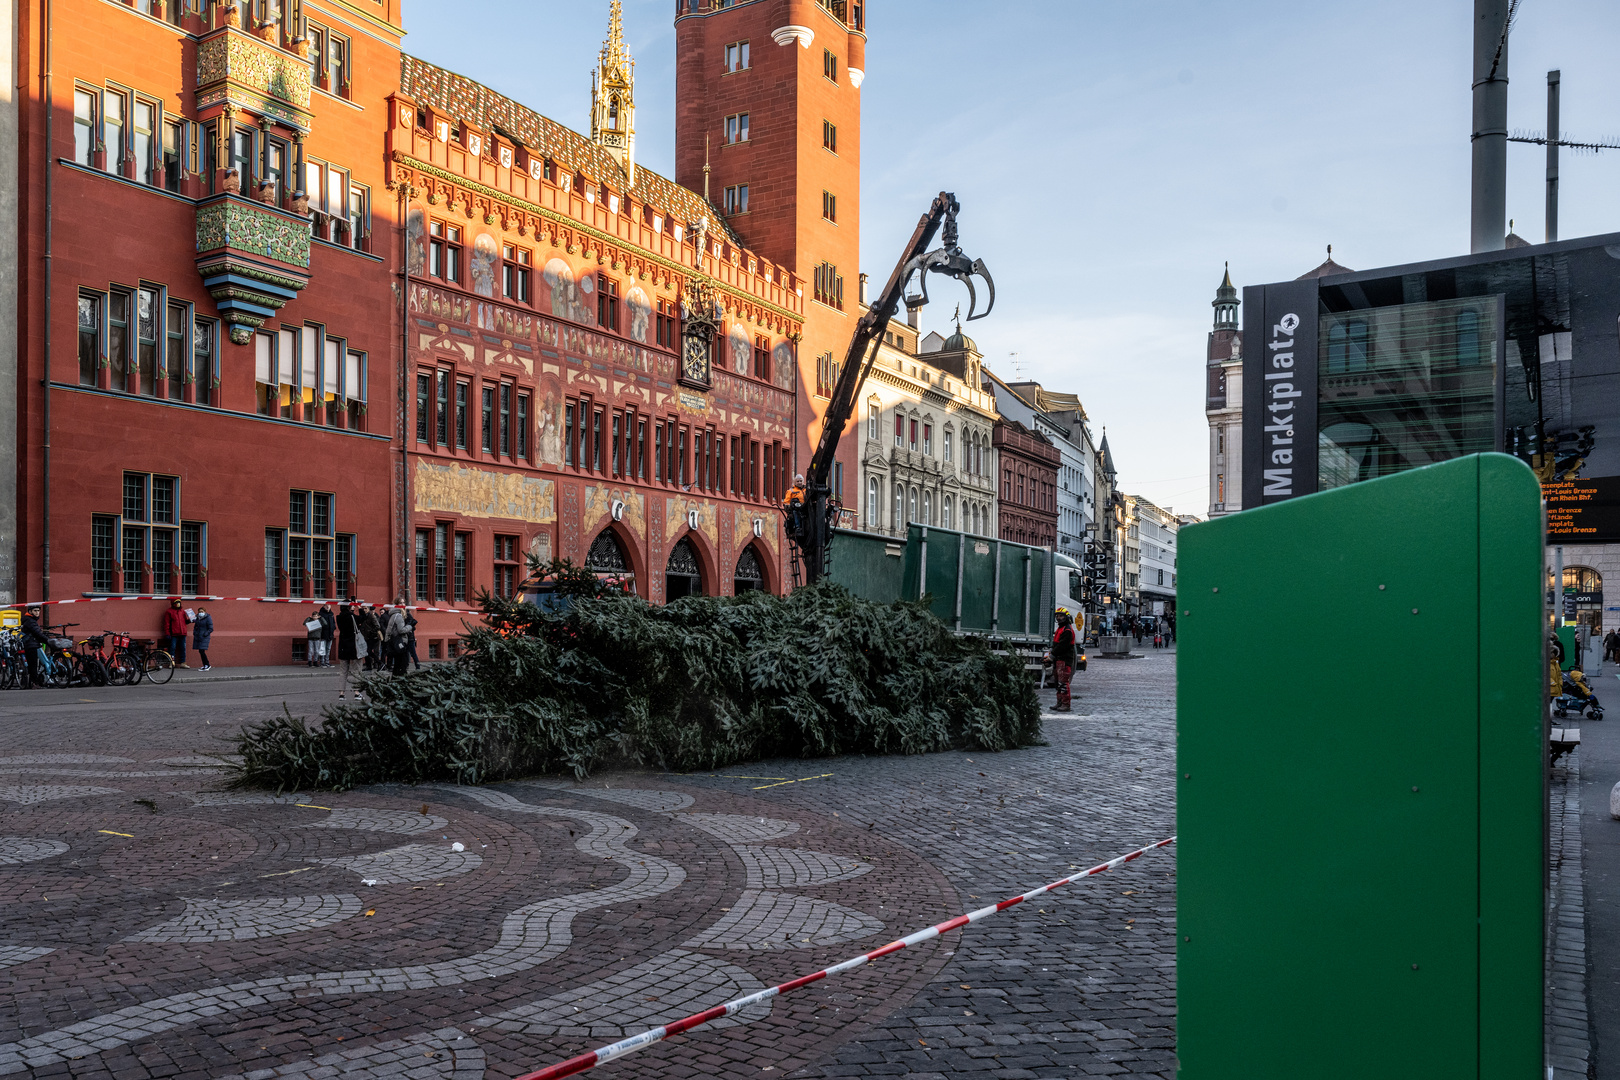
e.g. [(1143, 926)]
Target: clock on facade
[(695, 358)]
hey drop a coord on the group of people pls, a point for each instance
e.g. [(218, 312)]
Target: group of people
[(368, 638)]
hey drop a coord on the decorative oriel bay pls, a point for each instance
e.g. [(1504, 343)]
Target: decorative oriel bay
[(700, 683)]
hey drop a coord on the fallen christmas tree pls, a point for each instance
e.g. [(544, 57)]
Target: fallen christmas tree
[(701, 683)]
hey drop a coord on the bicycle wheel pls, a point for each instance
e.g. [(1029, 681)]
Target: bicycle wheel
[(121, 670), (94, 670), (159, 666)]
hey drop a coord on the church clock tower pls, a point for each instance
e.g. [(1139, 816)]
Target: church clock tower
[(613, 96)]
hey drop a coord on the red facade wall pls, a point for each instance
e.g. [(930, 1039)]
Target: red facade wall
[(233, 470), (1026, 507)]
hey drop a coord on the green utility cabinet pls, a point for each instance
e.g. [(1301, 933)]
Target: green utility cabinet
[(1360, 782)]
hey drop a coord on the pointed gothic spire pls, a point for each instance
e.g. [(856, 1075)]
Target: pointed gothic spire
[(613, 95)]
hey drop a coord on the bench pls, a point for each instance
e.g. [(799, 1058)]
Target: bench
[(1561, 741)]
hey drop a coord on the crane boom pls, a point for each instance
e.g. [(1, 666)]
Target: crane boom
[(810, 527)]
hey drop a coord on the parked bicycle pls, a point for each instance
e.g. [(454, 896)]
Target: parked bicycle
[(148, 661)]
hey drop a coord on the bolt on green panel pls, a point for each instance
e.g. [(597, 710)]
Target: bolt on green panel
[(1360, 776)]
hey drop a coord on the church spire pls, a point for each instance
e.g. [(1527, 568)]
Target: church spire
[(1226, 303), (613, 95)]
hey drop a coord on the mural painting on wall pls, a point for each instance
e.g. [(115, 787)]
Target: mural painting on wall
[(605, 349), (456, 489), (437, 304), (486, 264), (599, 506), (416, 242), (549, 422), (540, 547), (569, 298), (676, 520), (742, 529), (640, 312), (505, 321), (741, 349), (782, 366)]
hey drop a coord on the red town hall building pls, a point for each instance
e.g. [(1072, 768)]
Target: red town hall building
[(301, 317)]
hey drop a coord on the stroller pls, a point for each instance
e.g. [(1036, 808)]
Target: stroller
[(1577, 697)]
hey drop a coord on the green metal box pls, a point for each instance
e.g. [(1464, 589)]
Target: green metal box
[(1360, 782)]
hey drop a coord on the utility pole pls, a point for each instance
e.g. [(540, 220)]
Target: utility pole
[(1493, 20), (1553, 80)]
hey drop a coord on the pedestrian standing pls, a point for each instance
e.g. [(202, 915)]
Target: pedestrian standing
[(351, 649), (1158, 639), (34, 639), (328, 626), (395, 634), (202, 632), (1063, 658), (174, 630), (312, 633), (410, 639), (371, 632)]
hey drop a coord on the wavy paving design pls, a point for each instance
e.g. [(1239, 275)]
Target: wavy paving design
[(23, 849), (667, 987), (413, 862), (761, 921), (372, 819), (740, 828), (795, 868), (64, 759), (244, 920), (12, 955), (29, 794), (529, 936), (244, 798), (446, 1053)]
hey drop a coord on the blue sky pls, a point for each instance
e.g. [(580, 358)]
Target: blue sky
[(1109, 156)]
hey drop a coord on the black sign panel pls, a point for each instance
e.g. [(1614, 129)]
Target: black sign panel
[(1583, 511), (1279, 392)]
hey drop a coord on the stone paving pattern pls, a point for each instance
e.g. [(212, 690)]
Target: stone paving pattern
[(635, 898), (1567, 1020)]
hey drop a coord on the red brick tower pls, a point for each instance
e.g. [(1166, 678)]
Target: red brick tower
[(768, 123)]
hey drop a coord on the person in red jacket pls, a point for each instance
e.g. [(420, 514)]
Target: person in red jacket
[(1063, 658), (174, 629)]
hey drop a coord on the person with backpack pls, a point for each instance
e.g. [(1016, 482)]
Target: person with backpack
[(1063, 658), (396, 639), (371, 631), (328, 625)]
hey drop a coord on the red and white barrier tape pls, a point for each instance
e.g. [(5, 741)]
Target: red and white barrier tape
[(619, 1049), (246, 599)]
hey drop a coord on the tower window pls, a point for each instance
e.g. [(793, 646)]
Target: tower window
[(829, 286), (737, 128), (737, 199), (829, 65), (829, 206), (737, 57), (829, 135)]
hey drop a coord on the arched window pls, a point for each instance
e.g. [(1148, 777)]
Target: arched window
[(683, 574), (898, 522), (928, 508), (613, 114), (911, 507), (873, 518), (606, 556), (748, 576), (945, 513)]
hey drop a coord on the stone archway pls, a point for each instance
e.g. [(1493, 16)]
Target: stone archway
[(683, 574)]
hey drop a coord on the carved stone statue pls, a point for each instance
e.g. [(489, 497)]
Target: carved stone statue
[(233, 181), (300, 203), (267, 191), (230, 14)]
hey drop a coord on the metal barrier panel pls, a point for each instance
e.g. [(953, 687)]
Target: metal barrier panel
[(1360, 782), (867, 564)]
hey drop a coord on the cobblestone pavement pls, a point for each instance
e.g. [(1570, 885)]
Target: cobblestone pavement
[(154, 925)]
